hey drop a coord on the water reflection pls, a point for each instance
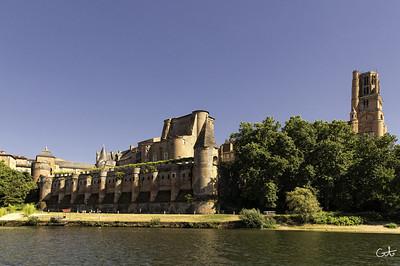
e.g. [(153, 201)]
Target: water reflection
[(129, 246)]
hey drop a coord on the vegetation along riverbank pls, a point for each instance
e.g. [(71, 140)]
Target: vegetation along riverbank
[(222, 221)]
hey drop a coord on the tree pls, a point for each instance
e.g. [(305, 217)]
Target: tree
[(303, 201), (14, 186), (263, 156), (351, 172), (271, 196), (375, 174)]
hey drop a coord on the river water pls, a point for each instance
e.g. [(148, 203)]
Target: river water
[(151, 246)]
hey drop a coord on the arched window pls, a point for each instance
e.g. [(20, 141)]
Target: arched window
[(215, 160)]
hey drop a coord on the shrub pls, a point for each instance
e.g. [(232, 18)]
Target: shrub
[(3, 211), (155, 221), (269, 223), (290, 219), (32, 221), (252, 218), (391, 225), (330, 218), (302, 201), (11, 208), (55, 220), (189, 198), (28, 209)]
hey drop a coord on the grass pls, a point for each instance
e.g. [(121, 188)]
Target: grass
[(126, 217), (193, 221), (3, 211), (28, 210), (391, 225)]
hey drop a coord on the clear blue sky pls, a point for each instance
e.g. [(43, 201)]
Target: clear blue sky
[(78, 74)]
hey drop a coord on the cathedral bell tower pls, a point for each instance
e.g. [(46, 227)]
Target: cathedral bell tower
[(366, 114)]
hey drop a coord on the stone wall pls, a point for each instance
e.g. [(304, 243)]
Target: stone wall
[(149, 188)]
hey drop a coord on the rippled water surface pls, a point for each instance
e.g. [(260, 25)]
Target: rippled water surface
[(133, 246)]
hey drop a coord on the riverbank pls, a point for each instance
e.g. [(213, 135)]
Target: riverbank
[(370, 229), (172, 221)]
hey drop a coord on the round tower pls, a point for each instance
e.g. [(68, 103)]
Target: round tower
[(102, 187), (201, 118), (40, 169), (204, 173), (355, 88), (45, 185)]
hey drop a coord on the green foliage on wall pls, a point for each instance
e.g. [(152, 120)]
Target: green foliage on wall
[(147, 166), (119, 175)]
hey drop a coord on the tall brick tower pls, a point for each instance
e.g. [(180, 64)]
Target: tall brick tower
[(366, 114)]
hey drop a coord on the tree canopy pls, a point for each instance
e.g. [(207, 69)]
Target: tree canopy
[(349, 172), (14, 186)]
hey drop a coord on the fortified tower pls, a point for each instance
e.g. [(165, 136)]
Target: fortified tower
[(205, 164), (44, 165), (366, 114)]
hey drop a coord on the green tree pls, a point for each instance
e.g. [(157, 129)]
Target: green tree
[(303, 201), (271, 190), (375, 174), (351, 172), (263, 155), (14, 186)]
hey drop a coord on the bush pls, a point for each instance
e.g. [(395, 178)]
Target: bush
[(3, 211), (289, 219), (391, 225), (28, 209), (11, 208), (302, 201), (55, 220), (252, 218), (269, 223), (155, 221), (32, 221), (330, 218)]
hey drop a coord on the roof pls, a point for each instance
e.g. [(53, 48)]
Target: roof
[(73, 165), (6, 155), (46, 153)]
